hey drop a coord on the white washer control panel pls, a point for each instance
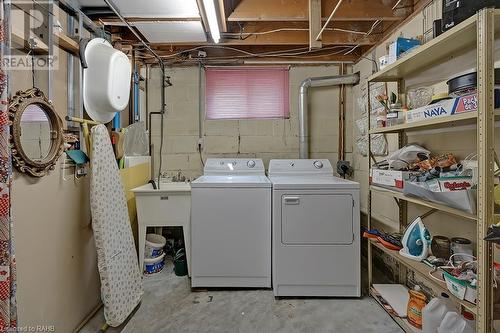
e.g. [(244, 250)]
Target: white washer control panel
[(231, 166)]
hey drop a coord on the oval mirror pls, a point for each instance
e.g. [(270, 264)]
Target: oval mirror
[(36, 134)]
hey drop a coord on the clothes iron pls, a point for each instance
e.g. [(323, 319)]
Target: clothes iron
[(416, 241)]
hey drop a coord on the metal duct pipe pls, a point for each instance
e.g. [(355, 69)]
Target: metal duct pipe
[(322, 81)]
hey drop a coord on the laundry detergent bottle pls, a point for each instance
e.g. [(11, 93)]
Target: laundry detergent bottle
[(434, 312), (415, 306), (455, 323)]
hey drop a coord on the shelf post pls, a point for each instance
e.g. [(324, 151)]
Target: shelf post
[(486, 156), (369, 201), (403, 204)]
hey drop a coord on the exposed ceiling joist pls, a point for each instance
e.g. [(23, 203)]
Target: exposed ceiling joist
[(297, 10), (314, 23), (262, 26)]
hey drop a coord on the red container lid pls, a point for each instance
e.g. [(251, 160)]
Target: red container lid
[(467, 315)]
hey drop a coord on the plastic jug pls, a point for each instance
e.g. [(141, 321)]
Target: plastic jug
[(455, 323), (434, 312)]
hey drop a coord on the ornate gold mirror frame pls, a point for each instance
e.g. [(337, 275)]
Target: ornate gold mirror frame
[(18, 104)]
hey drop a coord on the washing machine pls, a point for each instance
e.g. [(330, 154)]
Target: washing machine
[(231, 225), (316, 236)]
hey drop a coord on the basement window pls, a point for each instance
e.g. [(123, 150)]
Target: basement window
[(246, 93)]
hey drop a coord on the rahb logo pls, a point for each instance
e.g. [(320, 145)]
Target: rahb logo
[(34, 44)]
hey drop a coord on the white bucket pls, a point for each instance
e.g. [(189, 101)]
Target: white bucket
[(154, 265), (154, 246)]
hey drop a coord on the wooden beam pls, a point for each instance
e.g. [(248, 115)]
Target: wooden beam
[(67, 43), (63, 41), (18, 38), (314, 23), (297, 10)]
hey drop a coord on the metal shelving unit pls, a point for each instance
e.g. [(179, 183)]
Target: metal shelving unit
[(478, 33), (433, 205)]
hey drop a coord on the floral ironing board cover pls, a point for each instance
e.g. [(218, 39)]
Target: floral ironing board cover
[(121, 280)]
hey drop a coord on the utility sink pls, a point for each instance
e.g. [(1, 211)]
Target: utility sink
[(172, 201), (168, 206)]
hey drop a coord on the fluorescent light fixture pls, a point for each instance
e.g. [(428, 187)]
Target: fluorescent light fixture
[(213, 22)]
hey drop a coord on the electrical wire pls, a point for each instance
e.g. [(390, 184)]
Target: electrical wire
[(449, 264), (376, 64), (279, 53), (369, 32), (280, 56), (31, 53), (352, 49), (288, 29), (329, 19), (397, 4)]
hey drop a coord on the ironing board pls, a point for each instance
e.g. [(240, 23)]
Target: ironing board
[(121, 284)]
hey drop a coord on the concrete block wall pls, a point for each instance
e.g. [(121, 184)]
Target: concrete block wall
[(267, 139)]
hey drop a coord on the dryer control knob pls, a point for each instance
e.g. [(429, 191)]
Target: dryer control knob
[(318, 164), (251, 164)]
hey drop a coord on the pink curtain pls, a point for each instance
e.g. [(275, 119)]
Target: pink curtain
[(246, 93), (8, 310)]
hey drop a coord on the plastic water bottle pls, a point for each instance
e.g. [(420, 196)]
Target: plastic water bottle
[(434, 312), (455, 323)]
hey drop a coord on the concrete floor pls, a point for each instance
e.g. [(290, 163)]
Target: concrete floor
[(169, 305)]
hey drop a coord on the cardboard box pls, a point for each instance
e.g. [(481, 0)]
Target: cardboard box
[(391, 178), (455, 184), (461, 289), (450, 184), (444, 108)]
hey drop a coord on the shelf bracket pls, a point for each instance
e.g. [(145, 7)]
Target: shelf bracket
[(427, 214)]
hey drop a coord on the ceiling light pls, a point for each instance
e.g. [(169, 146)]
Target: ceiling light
[(213, 22)]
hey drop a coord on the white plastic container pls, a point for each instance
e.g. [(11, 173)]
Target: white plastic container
[(154, 265), (455, 323), (106, 80), (154, 246), (434, 312)]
